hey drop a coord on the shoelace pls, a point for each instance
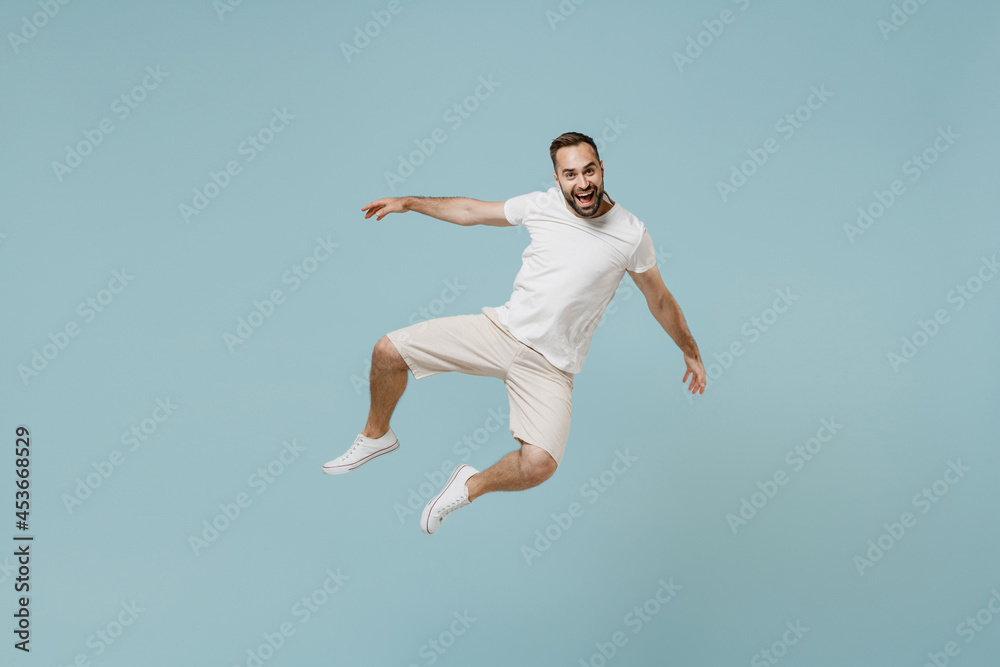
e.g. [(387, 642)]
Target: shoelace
[(357, 443), (451, 507)]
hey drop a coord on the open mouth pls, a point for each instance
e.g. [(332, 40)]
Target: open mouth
[(585, 198)]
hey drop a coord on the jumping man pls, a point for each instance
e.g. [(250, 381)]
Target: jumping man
[(582, 244)]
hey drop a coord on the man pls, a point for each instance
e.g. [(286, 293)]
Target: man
[(582, 244)]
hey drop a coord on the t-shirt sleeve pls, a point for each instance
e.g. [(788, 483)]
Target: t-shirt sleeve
[(644, 256), (516, 208)]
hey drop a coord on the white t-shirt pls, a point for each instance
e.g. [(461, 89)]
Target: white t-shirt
[(569, 273)]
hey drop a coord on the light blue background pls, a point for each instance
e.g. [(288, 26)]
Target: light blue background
[(301, 375)]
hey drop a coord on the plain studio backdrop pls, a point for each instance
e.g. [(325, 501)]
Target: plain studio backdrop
[(191, 295)]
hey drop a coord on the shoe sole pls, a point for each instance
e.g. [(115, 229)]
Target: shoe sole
[(429, 507), (341, 469)]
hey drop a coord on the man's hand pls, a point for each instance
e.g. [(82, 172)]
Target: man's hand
[(382, 207), (695, 368)]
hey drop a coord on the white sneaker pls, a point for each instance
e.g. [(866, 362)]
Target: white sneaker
[(454, 495), (361, 452)]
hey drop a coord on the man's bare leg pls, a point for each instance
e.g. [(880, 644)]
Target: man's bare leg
[(519, 470), (387, 381)]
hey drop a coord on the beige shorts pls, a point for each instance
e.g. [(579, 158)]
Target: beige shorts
[(539, 393)]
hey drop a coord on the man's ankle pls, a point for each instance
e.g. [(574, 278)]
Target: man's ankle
[(472, 484), (374, 434)]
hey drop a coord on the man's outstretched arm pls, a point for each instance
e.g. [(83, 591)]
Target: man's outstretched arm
[(458, 210), (664, 308)]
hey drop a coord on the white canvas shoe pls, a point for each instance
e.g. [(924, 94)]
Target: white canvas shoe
[(361, 452), (453, 496)]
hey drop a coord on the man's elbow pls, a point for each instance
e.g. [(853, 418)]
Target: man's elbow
[(660, 302), (469, 213)]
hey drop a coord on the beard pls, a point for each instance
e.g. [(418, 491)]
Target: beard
[(590, 210)]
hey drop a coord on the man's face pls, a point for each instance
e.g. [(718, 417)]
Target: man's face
[(579, 173)]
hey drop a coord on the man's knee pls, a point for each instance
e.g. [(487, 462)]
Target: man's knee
[(386, 355), (536, 463)]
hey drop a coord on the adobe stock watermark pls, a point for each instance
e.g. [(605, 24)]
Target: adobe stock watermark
[(122, 107), (752, 330), (258, 481), (609, 134), (100, 641), (252, 146), (702, 40), (968, 630), (591, 491), (779, 648), (265, 308), (7, 569), (786, 126), (361, 381), (88, 310), (223, 7), (303, 611), (436, 307), (915, 167), (924, 500), (381, 18), (450, 292), (562, 12), (455, 116), (638, 618), (464, 448), (899, 17), (37, 21), (432, 650), (963, 292), (133, 438), (796, 459)]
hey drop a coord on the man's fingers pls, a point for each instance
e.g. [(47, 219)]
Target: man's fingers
[(374, 208), (391, 207), (697, 383), (383, 207)]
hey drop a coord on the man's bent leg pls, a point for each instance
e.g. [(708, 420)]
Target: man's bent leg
[(522, 469), (519, 470), (387, 381)]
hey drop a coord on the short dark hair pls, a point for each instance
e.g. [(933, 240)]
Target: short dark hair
[(571, 139)]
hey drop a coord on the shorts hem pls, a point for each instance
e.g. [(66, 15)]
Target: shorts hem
[(549, 450), (406, 357)]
